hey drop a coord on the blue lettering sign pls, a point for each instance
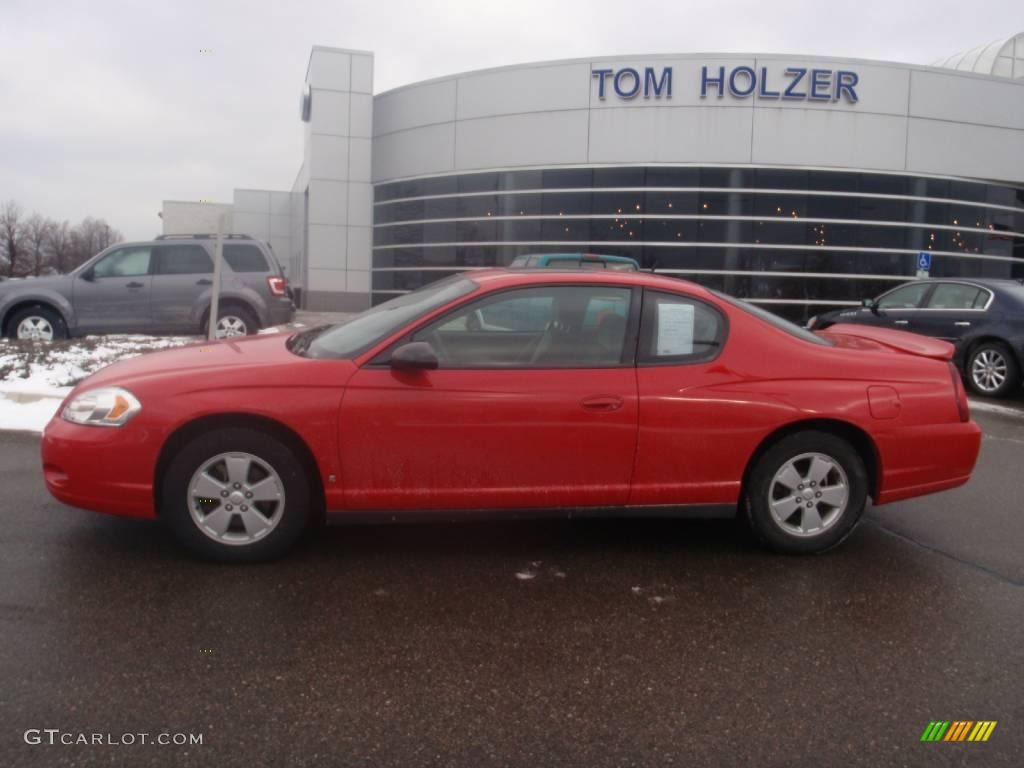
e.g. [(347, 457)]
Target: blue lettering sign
[(740, 82), (845, 82), (601, 75), (763, 92), (627, 72), (797, 74), (749, 76), (821, 79), (705, 81), (627, 82), (655, 86)]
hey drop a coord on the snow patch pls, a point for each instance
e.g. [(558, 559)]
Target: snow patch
[(36, 377), (27, 414)]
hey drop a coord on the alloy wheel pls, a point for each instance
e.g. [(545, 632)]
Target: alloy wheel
[(808, 494), (231, 325), (236, 498), (35, 328), (989, 370)]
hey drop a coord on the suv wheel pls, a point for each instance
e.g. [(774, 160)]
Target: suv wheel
[(806, 493), (236, 495), (235, 321), (992, 370), (38, 323)]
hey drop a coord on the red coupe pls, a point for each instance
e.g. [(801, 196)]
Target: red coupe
[(528, 391)]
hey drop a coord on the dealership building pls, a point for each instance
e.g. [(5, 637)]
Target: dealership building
[(796, 182)]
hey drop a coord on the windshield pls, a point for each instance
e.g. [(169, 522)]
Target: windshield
[(782, 324), (368, 328)]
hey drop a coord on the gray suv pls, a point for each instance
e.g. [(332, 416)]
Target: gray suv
[(159, 286)]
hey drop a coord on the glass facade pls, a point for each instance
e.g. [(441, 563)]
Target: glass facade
[(796, 241)]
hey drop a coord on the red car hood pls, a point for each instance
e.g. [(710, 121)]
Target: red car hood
[(195, 359), (854, 336)]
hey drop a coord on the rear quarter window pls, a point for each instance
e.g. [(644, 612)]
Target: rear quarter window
[(245, 258), (772, 319)]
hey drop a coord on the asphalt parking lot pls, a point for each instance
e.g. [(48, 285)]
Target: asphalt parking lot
[(587, 643)]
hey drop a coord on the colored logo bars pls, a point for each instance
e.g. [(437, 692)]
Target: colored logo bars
[(958, 730)]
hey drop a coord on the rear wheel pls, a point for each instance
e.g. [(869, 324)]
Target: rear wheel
[(806, 493), (236, 495), (37, 323), (992, 370), (235, 321)]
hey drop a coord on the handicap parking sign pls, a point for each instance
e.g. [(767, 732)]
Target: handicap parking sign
[(924, 264)]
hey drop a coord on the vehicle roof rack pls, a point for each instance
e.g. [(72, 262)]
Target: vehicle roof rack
[(202, 237)]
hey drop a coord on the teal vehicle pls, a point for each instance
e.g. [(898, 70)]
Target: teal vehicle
[(574, 261)]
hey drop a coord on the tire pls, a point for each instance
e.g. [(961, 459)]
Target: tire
[(48, 323), (236, 528), (238, 321), (992, 370), (813, 529)]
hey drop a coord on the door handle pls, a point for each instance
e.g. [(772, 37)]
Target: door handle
[(134, 285), (601, 403), (963, 323), (204, 281), (901, 322)]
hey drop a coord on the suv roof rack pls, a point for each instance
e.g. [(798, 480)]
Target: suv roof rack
[(202, 237)]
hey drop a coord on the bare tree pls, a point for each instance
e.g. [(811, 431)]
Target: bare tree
[(37, 245), (12, 237), (37, 241), (89, 238), (61, 246)]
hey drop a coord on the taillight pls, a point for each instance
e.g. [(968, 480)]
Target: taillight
[(959, 393), (278, 286)]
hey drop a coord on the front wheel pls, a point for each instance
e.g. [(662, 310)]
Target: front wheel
[(992, 370), (806, 493), (37, 323), (236, 495)]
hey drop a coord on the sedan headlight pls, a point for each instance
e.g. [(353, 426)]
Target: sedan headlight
[(104, 407)]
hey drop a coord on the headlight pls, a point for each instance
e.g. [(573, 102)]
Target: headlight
[(104, 407)]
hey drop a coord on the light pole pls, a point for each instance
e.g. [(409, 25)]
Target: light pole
[(218, 257)]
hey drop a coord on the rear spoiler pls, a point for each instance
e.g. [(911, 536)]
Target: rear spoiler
[(901, 341)]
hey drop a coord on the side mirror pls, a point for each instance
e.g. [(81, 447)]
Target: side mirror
[(414, 356), (88, 276), (870, 304)]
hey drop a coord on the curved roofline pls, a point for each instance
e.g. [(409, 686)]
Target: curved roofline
[(710, 56), (982, 59)]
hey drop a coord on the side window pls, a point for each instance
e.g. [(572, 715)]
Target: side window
[(182, 260), (244, 258), (564, 263), (124, 262), (904, 297), (549, 327), (680, 330), (957, 296)]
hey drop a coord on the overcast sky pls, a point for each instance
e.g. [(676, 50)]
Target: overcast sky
[(109, 108)]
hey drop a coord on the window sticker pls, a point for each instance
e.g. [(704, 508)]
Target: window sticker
[(675, 329)]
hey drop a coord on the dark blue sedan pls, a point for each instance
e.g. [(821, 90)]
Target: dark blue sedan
[(982, 317)]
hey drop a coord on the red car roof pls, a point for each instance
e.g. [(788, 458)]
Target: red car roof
[(496, 277)]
